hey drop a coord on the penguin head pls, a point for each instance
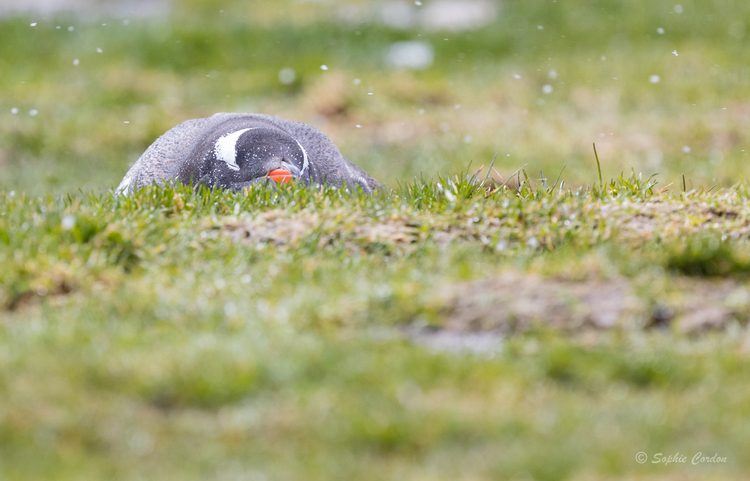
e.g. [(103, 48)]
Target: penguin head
[(241, 157)]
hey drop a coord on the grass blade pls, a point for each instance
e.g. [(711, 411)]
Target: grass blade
[(598, 166)]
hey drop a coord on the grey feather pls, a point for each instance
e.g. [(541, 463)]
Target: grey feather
[(183, 151)]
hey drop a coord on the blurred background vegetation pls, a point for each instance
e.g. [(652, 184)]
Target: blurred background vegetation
[(660, 87)]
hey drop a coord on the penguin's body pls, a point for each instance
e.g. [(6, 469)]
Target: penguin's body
[(233, 151)]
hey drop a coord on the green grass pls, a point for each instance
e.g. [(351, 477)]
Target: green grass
[(453, 325), (190, 335)]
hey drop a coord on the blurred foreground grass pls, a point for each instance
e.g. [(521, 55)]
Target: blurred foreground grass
[(446, 329), (439, 332)]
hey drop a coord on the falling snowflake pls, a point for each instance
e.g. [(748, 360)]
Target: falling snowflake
[(287, 76), (654, 79), (68, 222)]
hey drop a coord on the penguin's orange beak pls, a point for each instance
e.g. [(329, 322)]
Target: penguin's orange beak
[(280, 176)]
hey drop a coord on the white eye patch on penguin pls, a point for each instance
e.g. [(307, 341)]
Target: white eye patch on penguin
[(240, 158), (235, 151), (234, 144)]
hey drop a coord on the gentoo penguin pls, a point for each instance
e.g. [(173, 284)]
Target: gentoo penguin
[(233, 151)]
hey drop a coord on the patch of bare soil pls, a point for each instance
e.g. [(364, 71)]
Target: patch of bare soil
[(704, 305), (650, 219), (515, 302), (354, 231), (57, 284)]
